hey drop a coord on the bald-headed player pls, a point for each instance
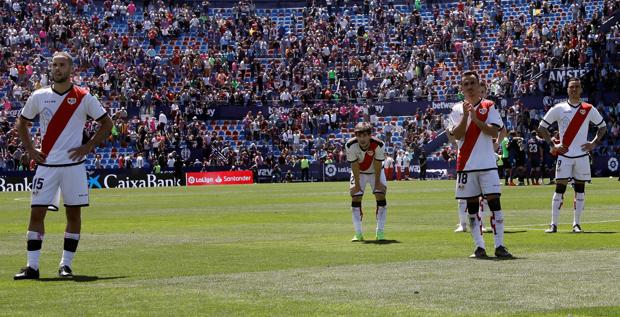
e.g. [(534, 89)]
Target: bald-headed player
[(62, 109), (366, 154)]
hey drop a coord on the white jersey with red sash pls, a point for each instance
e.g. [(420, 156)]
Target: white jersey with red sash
[(62, 117), (476, 148), (375, 151), (573, 123)]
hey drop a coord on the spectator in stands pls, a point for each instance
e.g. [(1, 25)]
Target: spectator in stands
[(203, 73)]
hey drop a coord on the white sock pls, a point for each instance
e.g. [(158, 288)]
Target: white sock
[(497, 222), (463, 212), (67, 256), (484, 208), (556, 204), (357, 219), (33, 256), (381, 215), (580, 200), (476, 230)]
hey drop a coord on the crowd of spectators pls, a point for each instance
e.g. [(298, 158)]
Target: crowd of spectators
[(324, 63)]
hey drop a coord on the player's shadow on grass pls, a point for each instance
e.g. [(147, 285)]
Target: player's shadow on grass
[(79, 278), (515, 231), (592, 232), (380, 241), (490, 258)]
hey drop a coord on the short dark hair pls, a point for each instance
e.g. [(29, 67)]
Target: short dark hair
[(65, 55), (470, 73), (573, 79), (363, 127)]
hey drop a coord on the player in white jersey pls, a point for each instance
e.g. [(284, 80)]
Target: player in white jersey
[(574, 118), (474, 124), (484, 205), (62, 110), (366, 154)]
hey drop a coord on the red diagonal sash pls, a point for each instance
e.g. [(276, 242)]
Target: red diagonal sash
[(471, 135), (368, 157), (61, 117), (575, 124)]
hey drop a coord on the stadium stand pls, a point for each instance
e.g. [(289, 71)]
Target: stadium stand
[(161, 67)]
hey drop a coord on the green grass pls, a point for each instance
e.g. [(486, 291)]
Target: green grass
[(284, 250)]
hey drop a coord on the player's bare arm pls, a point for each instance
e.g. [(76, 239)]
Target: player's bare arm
[(24, 134), (600, 133), (503, 132), (486, 128), (545, 135), (105, 127), (355, 168)]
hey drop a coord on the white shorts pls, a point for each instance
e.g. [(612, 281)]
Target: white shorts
[(50, 182), (474, 184), (578, 168), (367, 179)]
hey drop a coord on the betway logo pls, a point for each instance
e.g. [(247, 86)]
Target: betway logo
[(210, 112), (443, 105)]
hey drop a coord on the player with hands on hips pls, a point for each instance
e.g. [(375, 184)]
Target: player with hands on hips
[(573, 118)]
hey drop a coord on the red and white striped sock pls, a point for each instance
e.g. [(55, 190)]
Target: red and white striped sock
[(476, 230), (556, 204)]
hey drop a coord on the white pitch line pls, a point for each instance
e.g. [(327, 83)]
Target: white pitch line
[(562, 223)]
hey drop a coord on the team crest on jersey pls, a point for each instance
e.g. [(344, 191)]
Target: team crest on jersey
[(482, 111), (371, 153), (582, 111), (71, 101)]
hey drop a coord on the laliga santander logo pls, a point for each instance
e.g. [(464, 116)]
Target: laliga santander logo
[(219, 178), (612, 164), (330, 170)]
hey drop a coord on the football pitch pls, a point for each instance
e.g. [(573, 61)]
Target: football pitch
[(285, 250)]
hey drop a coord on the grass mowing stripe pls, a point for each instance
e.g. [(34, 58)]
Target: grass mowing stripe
[(283, 249)]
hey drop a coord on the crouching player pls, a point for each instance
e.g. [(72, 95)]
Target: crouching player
[(366, 154)]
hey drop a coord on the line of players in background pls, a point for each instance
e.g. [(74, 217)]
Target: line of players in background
[(573, 158)]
